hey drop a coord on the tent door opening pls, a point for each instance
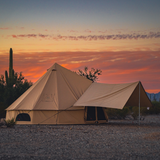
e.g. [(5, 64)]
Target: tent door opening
[(95, 114), (91, 114), (100, 114)]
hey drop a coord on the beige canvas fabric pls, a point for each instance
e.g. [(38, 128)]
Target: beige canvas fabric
[(61, 96), (58, 89), (114, 95), (50, 117)]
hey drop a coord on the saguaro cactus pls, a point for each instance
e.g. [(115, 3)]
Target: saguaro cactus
[(10, 63), (9, 79), (6, 77)]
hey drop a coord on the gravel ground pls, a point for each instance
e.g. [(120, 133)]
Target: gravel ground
[(114, 140)]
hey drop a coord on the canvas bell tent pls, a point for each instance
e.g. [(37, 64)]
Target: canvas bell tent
[(61, 96)]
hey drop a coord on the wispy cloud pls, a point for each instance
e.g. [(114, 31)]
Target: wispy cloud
[(72, 31), (102, 32), (117, 67), (88, 31), (26, 36), (132, 36), (5, 28)]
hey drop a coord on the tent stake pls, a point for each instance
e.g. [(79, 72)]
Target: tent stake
[(139, 102)]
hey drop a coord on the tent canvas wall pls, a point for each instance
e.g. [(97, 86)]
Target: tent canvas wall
[(61, 96), (50, 99)]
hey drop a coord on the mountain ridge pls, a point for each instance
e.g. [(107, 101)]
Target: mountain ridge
[(154, 96)]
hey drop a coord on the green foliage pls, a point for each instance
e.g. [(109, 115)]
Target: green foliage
[(117, 113), (11, 91), (11, 87), (133, 111), (2, 110), (16, 88), (6, 76), (91, 75), (11, 71), (10, 122), (2, 88), (10, 78), (155, 109)]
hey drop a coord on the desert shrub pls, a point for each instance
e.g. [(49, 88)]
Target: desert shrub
[(122, 113), (134, 111), (11, 90), (2, 110), (117, 113), (155, 109), (10, 122)]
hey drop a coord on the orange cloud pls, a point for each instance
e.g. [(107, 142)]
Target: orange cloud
[(5, 28), (117, 67), (73, 31), (88, 31)]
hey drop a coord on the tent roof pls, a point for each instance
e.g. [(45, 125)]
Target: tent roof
[(58, 89), (114, 95), (61, 89)]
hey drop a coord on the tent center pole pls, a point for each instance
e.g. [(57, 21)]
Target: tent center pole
[(139, 102)]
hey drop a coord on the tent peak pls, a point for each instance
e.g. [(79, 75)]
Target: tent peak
[(53, 67)]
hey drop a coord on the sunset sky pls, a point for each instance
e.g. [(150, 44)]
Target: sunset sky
[(120, 37)]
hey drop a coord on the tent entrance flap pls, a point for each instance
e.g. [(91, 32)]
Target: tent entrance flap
[(91, 114), (100, 114), (95, 114)]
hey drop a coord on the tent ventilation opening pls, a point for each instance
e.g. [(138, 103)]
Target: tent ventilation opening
[(23, 117)]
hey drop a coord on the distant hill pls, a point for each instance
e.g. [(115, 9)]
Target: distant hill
[(154, 97)]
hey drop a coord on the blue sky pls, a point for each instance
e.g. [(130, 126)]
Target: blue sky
[(75, 14)]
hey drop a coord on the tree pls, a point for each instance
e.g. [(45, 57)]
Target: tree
[(15, 88), (12, 86), (2, 86), (11, 90), (91, 75)]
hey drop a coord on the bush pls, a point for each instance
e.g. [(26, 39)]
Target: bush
[(10, 122), (117, 113), (155, 109), (2, 110), (122, 113), (134, 111)]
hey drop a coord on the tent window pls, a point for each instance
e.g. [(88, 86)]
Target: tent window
[(23, 117), (91, 116), (100, 114)]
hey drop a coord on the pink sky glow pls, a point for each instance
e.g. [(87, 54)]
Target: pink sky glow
[(117, 67)]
